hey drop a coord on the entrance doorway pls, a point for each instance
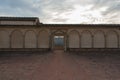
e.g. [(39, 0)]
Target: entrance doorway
[(59, 42)]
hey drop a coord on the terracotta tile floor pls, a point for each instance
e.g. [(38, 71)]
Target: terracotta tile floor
[(59, 65)]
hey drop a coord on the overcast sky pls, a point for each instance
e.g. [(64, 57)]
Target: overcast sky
[(64, 11)]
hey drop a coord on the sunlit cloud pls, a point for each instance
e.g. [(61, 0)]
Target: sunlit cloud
[(83, 15)]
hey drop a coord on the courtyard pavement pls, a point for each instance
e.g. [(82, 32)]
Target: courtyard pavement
[(60, 65)]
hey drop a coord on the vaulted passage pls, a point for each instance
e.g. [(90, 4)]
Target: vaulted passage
[(59, 42)]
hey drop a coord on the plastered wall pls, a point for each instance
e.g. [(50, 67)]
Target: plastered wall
[(76, 38)]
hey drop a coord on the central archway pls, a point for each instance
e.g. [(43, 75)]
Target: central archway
[(58, 40)]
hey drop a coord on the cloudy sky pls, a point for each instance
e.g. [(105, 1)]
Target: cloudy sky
[(64, 11)]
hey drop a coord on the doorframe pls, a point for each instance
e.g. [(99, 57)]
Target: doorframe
[(59, 33), (54, 47)]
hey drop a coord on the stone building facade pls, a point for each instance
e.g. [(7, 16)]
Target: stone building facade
[(27, 33)]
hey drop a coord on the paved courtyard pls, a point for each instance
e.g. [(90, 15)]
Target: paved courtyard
[(60, 65)]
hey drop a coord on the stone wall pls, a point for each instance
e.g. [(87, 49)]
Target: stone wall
[(33, 37), (23, 38), (94, 38)]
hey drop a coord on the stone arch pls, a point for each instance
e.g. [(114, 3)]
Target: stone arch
[(86, 39), (16, 39), (112, 39), (43, 39), (99, 39), (4, 39), (58, 31), (30, 39), (74, 39)]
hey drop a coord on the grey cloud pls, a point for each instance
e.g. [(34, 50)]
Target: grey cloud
[(59, 6), (56, 6), (68, 6), (45, 8), (112, 12), (18, 7), (113, 5)]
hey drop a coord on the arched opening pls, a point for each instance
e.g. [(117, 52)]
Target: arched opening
[(4, 39), (58, 40), (30, 39), (43, 39), (99, 39), (16, 39), (74, 40), (86, 39), (112, 39)]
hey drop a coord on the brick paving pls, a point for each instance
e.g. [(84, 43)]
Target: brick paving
[(60, 65)]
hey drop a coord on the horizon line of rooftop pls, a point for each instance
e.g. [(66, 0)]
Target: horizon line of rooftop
[(34, 18)]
